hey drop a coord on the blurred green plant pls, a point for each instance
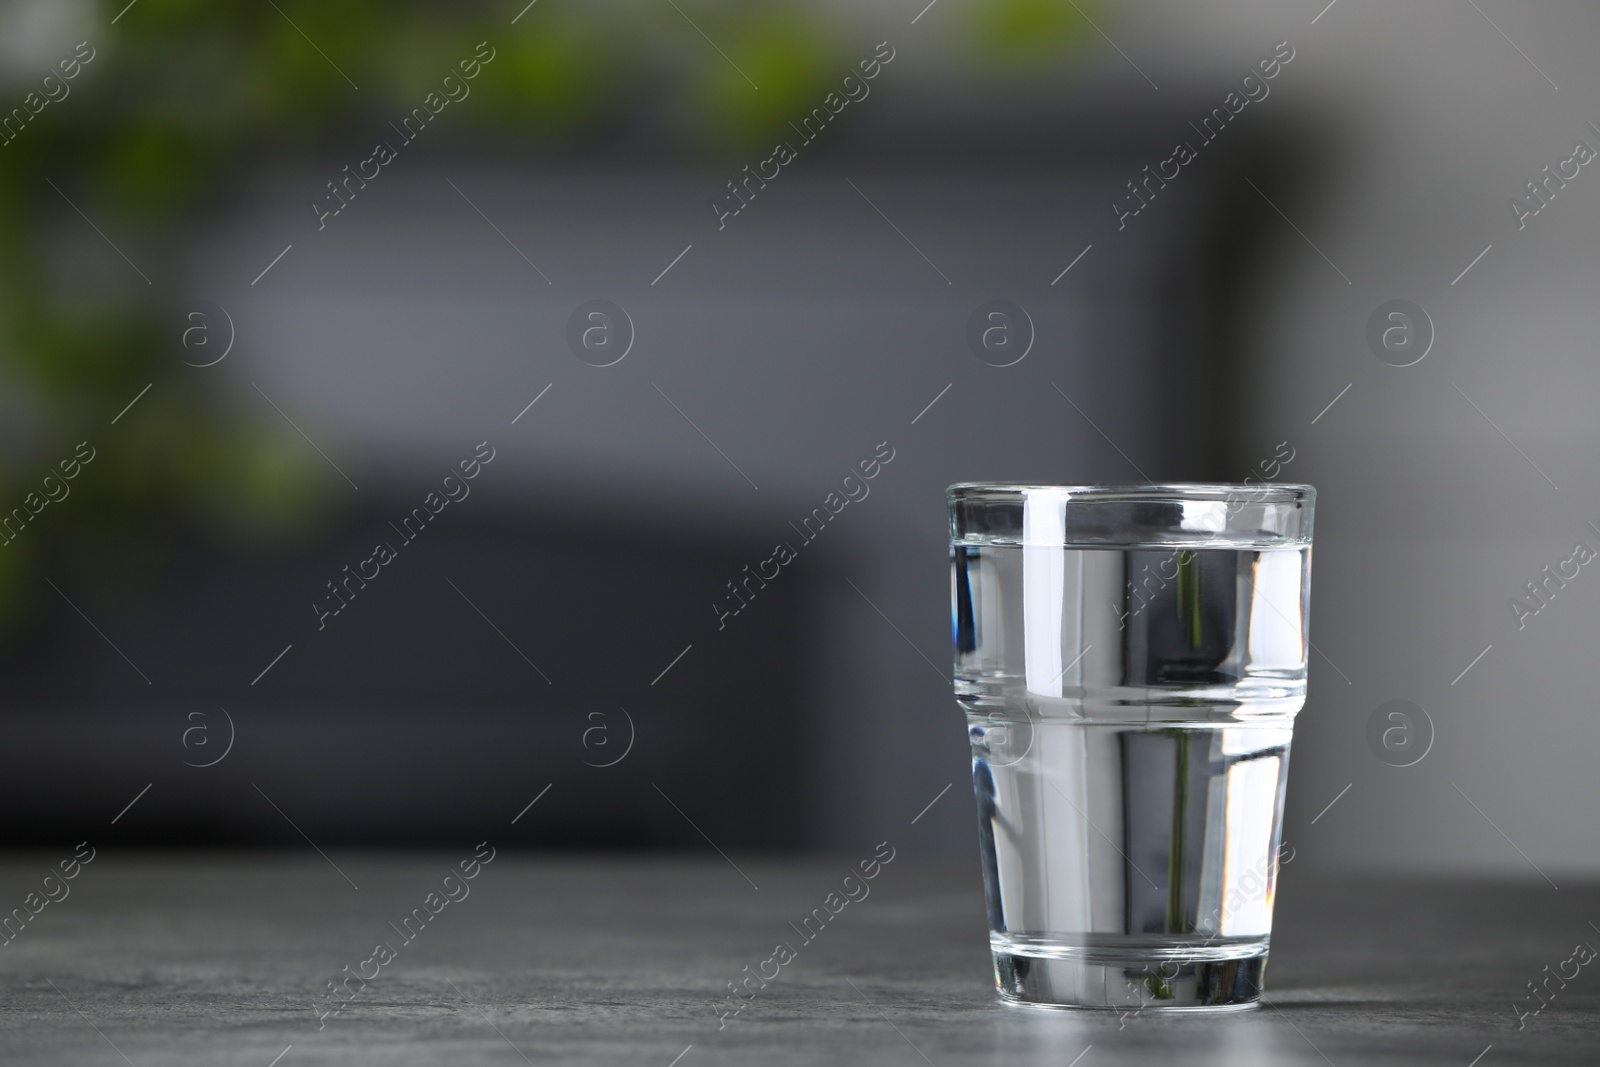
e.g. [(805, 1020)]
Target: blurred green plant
[(1022, 36), (787, 64), (184, 95)]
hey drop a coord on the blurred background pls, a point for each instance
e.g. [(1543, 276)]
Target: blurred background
[(275, 341)]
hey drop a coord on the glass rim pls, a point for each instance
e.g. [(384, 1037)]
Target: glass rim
[(1260, 492)]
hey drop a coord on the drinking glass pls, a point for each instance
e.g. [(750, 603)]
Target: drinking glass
[(1130, 660)]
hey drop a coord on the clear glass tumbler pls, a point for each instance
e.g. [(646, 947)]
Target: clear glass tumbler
[(1130, 660)]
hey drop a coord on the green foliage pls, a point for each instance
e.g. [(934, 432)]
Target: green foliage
[(76, 357), (184, 96), (790, 63), (1013, 34), (565, 78), (150, 173)]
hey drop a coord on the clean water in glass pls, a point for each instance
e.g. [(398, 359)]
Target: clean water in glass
[(1130, 661)]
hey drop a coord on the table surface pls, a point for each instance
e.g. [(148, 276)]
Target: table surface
[(177, 960)]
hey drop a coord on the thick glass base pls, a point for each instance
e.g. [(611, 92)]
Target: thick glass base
[(1132, 981)]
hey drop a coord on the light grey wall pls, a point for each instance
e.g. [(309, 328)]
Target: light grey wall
[(1432, 512)]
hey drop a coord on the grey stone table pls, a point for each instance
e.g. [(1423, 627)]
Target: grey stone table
[(225, 960)]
